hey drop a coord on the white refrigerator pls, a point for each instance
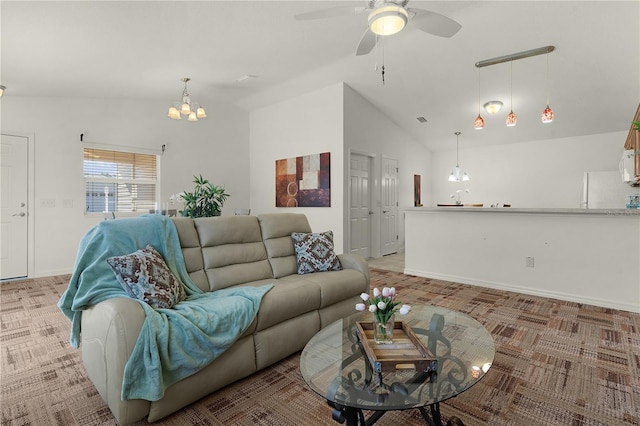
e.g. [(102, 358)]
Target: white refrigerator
[(605, 190)]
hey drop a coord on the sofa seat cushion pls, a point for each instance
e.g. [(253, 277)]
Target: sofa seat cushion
[(336, 286), (290, 297)]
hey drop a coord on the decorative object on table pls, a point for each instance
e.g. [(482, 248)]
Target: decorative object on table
[(457, 196), (383, 305), (408, 352), (192, 110), (206, 199), (304, 181)]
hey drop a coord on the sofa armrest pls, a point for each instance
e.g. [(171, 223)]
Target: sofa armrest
[(353, 261), (110, 330)]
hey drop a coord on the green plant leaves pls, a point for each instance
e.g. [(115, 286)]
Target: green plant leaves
[(206, 200)]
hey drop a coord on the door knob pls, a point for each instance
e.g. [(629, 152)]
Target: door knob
[(21, 214)]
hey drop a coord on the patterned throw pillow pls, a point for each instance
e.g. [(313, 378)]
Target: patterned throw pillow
[(314, 252), (144, 275)]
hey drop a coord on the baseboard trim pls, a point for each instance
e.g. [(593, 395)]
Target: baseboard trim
[(527, 290)]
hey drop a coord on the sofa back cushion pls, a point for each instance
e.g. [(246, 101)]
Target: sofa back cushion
[(232, 250), (190, 243), (276, 234)]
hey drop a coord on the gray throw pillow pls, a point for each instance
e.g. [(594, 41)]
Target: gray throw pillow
[(144, 275), (315, 252)]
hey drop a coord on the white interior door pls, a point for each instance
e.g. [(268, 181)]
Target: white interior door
[(13, 206), (389, 220), (360, 206)]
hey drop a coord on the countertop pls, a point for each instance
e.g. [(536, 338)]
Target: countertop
[(511, 210)]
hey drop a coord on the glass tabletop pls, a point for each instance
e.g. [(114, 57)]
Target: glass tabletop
[(334, 365)]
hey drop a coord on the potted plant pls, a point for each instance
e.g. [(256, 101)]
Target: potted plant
[(206, 199)]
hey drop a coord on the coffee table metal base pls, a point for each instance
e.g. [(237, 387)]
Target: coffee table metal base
[(355, 416)]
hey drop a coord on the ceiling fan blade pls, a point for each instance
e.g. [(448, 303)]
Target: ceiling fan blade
[(367, 43), (332, 12), (434, 23)]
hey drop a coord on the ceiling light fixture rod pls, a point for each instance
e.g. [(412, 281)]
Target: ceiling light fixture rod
[(515, 56)]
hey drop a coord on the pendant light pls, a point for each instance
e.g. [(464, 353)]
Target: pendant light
[(191, 110), (457, 175), (478, 124), (512, 119), (547, 114)]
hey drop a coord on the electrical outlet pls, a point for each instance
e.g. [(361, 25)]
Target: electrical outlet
[(47, 202), (529, 262)]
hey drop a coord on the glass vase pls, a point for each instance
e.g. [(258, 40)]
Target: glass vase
[(383, 331)]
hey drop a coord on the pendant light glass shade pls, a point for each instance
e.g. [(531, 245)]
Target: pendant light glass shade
[(185, 107), (479, 123), (547, 115)]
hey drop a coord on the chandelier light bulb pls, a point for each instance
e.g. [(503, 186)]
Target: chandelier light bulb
[(200, 113), (192, 116), (174, 113)]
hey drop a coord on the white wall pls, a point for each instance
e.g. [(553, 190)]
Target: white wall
[(216, 147), (308, 124), (539, 174), (369, 131)]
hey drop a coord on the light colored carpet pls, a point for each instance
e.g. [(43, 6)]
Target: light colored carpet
[(557, 363)]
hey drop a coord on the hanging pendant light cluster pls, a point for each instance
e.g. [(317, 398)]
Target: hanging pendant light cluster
[(493, 107), (192, 110), (457, 175)]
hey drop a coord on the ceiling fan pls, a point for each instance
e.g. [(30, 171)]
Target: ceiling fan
[(387, 17)]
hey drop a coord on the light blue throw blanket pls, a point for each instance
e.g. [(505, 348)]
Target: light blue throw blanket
[(173, 343)]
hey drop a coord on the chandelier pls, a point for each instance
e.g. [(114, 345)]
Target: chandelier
[(192, 110)]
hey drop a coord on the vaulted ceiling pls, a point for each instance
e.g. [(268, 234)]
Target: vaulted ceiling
[(140, 50)]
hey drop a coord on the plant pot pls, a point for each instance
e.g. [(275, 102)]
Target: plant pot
[(383, 331)]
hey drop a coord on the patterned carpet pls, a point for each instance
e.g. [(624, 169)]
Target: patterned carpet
[(557, 363)]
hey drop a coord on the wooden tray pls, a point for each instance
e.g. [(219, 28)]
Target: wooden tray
[(405, 353)]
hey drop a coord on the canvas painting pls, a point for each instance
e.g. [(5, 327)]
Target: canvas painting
[(304, 181)]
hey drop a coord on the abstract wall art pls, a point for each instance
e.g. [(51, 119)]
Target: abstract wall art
[(304, 181)]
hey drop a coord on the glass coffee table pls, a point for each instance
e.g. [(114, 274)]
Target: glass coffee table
[(334, 365)]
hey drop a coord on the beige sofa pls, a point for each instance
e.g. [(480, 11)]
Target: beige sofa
[(223, 252)]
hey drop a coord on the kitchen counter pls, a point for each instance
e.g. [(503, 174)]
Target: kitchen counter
[(583, 255), (457, 209)]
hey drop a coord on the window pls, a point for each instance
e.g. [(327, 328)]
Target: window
[(117, 181)]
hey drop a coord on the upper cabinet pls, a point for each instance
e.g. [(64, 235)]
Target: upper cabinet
[(633, 142)]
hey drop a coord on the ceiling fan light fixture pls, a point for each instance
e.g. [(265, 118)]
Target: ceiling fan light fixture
[(387, 19), (492, 107)]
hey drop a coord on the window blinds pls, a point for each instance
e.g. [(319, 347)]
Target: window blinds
[(117, 181)]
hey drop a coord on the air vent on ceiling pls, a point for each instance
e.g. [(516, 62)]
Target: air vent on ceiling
[(421, 119)]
